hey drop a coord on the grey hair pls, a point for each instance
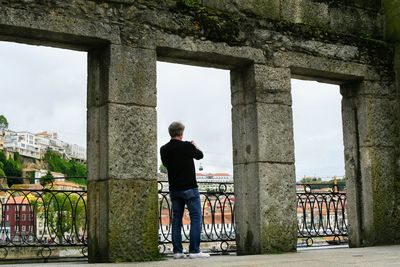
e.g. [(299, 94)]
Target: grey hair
[(176, 129)]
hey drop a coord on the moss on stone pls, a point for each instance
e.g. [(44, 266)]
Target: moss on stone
[(211, 24), (392, 12), (276, 237)]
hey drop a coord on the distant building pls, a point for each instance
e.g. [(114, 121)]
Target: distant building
[(2, 135), (23, 143), (215, 181), (76, 152), (19, 219), (35, 145)]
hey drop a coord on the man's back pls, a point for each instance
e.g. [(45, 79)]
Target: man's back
[(177, 156)]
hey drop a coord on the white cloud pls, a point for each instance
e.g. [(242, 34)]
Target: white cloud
[(44, 88)]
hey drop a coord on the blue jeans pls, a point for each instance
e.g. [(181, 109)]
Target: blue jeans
[(190, 197)]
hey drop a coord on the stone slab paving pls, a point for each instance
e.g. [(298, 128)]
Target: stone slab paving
[(371, 256)]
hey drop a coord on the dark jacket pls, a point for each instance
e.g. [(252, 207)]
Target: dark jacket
[(177, 156)]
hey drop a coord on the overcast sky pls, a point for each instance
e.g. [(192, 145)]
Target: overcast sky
[(44, 88)]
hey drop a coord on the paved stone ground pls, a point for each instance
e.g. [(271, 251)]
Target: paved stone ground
[(372, 256)]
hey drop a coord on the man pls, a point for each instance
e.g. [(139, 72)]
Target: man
[(177, 156)]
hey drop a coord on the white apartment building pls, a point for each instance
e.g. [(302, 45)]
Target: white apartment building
[(36, 145), (23, 143), (76, 152)]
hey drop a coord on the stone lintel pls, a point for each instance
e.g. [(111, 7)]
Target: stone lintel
[(324, 69), (55, 30), (188, 50)]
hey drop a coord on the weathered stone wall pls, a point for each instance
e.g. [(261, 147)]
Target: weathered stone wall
[(264, 43)]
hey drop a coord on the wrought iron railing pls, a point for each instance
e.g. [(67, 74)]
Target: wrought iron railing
[(321, 213), (46, 218), (218, 202)]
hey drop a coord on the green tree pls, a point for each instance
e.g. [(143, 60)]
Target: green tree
[(2, 173), (65, 213), (47, 178), (70, 168), (163, 169), (3, 122), (311, 180)]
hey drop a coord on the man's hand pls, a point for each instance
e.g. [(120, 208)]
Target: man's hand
[(193, 143)]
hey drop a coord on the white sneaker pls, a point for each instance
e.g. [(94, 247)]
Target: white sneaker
[(199, 255), (179, 256)]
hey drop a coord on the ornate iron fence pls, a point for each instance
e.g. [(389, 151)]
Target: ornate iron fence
[(321, 213), (218, 202), (42, 220), (50, 221)]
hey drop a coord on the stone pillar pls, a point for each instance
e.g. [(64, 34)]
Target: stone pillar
[(263, 156), (122, 147), (371, 139)]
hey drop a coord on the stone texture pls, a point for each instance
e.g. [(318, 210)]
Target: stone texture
[(275, 133), (263, 84), (127, 211), (246, 182), (128, 76), (278, 225), (380, 121), (174, 48), (265, 228), (381, 201), (132, 142), (319, 68), (244, 134), (306, 11), (133, 218), (355, 21), (122, 142), (262, 8)]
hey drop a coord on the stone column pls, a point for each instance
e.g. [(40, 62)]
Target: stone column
[(371, 139), (263, 156), (122, 161)]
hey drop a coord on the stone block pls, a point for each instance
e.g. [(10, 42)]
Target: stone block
[(132, 142), (262, 132), (262, 8), (262, 84), (339, 51), (189, 50), (275, 133), (376, 88), (244, 133), (355, 21), (381, 191), (125, 75), (324, 69), (306, 12), (246, 182), (278, 207), (378, 121), (98, 224), (271, 224), (123, 220), (133, 220), (53, 28), (96, 145)]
